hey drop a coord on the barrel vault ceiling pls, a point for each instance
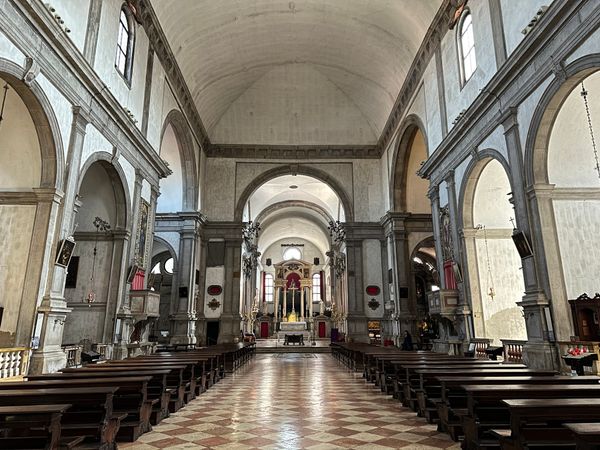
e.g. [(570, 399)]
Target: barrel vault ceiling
[(302, 72)]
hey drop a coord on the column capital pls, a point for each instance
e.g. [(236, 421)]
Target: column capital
[(509, 119), (434, 193), (80, 119), (449, 179)]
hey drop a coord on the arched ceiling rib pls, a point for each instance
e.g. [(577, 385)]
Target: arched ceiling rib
[(250, 63)]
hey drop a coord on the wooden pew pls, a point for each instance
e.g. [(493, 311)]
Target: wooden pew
[(33, 426), (587, 435), (131, 399), (537, 423), (165, 382), (486, 409), (453, 403), (91, 413)]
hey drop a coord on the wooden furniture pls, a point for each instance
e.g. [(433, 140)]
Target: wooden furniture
[(587, 435), (31, 426), (537, 421), (586, 313)]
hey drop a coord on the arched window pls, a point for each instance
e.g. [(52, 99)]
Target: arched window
[(292, 253), (316, 287), (169, 265), (269, 287), (466, 46), (125, 43)]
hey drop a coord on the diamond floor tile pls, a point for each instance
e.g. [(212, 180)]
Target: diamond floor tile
[(293, 401)]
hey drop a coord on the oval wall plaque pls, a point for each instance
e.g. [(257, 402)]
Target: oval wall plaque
[(214, 289), (373, 290)]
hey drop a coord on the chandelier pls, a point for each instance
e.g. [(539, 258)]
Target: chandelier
[(337, 231), (101, 226), (584, 94)]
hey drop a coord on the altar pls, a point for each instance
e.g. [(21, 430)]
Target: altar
[(293, 332)]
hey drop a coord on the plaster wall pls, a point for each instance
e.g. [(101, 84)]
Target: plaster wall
[(16, 223), (457, 95), (496, 141), (368, 199), (432, 106), (214, 275), (491, 206), (386, 176), (526, 110), (587, 47), (516, 19), (171, 188), (20, 159), (9, 51), (372, 275), (275, 252), (94, 142), (579, 244), (220, 189), (156, 113), (84, 322), (571, 160), (98, 199), (172, 237), (502, 317), (75, 15), (417, 187), (63, 111), (130, 97)]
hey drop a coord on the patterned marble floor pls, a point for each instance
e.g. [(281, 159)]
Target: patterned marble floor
[(293, 401)]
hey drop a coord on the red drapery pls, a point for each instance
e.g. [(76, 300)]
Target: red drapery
[(449, 275), (293, 280), (322, 279), (264, 277), (138, 280)]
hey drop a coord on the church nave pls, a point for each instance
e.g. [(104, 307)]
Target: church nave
[(293, 401)]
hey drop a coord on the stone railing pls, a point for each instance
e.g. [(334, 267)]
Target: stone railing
[(73, 355), (513, 350), (102, 350), (478, 346), (13, 363)]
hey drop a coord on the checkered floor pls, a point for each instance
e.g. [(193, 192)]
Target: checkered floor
[(293, 401)]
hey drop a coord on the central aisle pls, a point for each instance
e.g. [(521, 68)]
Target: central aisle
[(293, 401)]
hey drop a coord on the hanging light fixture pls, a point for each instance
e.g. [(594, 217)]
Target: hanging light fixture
[(101, 226), (584, 94), (3, 102), (492, 291)]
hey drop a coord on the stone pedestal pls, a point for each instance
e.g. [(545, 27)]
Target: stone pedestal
[(49, 357)]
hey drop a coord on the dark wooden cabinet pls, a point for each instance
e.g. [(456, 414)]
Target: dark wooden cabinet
[(586, 311)]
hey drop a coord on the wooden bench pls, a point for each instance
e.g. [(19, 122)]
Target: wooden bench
[(33, 426), (90, 415), (539, 423), (587, 435), (131, 399), (454, 397), (486, 410)]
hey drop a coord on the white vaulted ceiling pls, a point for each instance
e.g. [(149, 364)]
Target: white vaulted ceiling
[(295, 72)]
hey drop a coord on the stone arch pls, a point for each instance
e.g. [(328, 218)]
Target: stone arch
[(190, 187), (544, 116), (553, 209), (297, 203), (492, 272), (300, 170), (44, 119), (469, 183), (119, 183), (399, 176)]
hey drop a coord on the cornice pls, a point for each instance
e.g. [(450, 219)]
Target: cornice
[(64, 65), (431, 42), (539, 49), (160, 45), (302, 152)]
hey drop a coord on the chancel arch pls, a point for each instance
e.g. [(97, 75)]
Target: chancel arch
[(493, 274), (98, 270), (29, 172), (562, 171)]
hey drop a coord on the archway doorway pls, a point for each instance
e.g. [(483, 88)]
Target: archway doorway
[(162, 279), (28, 171), (567, 192), (97, 284), (494, 266)]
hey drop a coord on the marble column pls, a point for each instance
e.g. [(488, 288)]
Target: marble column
[(310, 303), (201, 284), (434, 197), (356, 321), (276, 316), (301, 303), (284, 312), (52, 311), (539, 352), (230, 317), (183, 321)]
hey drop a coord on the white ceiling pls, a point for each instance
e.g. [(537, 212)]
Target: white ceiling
[(310, 190), (295, 72)]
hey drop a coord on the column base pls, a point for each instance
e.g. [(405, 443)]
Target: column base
[(50, 359), (541, 355), (229, 329), (183, 328), (357, 329)]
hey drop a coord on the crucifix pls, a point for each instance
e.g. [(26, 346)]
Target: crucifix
[(293, 289)]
